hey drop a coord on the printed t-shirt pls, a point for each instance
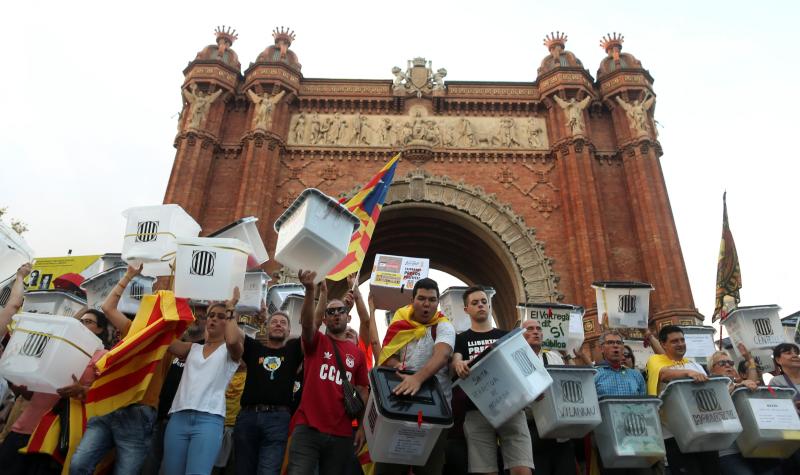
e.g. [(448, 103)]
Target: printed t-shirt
[(322, 405), (270, 372), (654, 366), (416, 354), (42, 403), (470, 344)]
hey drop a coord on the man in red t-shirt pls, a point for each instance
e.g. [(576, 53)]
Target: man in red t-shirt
[(323, 432)]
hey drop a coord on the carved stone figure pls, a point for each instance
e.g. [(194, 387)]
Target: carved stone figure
[(574, 112), (432, 133), (360, 130), (418, 78), (534, 134), (418, 127), (399, 78), (385, 131), (438, 79), (637, 112), (299, 130), (337, 130), (325, 131), (199, 104), (406, 134), (465, 134), (262, 118), (505, 134), (316, 132)]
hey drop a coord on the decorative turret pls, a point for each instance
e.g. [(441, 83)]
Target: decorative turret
[(280, 52), (222, 51), (558, 57), (616, 59)]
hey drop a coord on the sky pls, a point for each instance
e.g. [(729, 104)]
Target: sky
[(91, 92)]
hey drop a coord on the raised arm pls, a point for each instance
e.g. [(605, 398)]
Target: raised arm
[(253, 96), (14, 302), (375, 340), (322, 303), (654, 343), (234, 336), (308, 323), (364, 316), (561, 102), (109, 307)]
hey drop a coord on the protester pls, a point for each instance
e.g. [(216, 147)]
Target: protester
[(670, 366), (613, 378), (420, 339), (225, 461), (482, 437), (128, 429), (194, 432), (262, 427), (629, 357), (323, 434), (551, 456), (787, 359)]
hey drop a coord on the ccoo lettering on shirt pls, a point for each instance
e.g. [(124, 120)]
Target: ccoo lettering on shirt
[(331, 373)]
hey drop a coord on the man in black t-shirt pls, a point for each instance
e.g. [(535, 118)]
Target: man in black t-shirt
[(515, 440), (262, 427)]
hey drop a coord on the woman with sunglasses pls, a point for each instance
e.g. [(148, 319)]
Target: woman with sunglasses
[(194, 432), (787, 359)]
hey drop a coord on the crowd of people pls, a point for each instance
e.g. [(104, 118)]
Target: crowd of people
[(221, 402)]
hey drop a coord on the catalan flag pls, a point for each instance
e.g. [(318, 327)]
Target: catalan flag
[(403, 329), (126, 370), (366, 204), (729, 276)]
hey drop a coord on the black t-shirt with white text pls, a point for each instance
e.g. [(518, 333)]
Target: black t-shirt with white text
[(270, 372), (470, 344)]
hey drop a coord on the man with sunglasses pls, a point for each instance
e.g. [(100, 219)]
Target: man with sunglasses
[(613, 378), (323, 433)]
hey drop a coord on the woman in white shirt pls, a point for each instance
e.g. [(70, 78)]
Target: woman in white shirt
[(194, 432)]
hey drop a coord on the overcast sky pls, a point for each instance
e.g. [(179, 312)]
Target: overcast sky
[(90, 94)]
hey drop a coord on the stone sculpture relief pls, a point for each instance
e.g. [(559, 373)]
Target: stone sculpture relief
[(637, 113), (574, 111), (200, 104), (418, 78), (262, 117), (360, 130)]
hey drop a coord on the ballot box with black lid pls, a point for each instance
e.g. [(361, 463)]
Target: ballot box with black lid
[(770, 424), (505, 378), (630, 434), (569, 407), (404, 429), (701, 416)]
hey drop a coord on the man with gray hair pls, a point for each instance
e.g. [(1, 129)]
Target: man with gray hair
[(262, 427), (612, 378)]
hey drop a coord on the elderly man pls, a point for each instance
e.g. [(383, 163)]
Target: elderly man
[(612, 377), (551, 456), (670, 366)]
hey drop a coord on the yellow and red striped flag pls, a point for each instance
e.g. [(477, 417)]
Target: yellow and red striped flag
[(366, 204), (126, 370), (729, 275)]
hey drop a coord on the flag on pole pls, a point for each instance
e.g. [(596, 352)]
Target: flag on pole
[(729, 276), (366, 204)]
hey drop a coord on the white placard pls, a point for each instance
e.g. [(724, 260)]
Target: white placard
[(699, 345), (779, 414)]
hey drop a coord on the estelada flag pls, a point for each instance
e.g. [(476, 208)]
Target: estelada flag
[(729, 276), (126, 370), (366, 204)]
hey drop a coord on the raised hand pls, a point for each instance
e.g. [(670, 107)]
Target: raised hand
[(306, 278)]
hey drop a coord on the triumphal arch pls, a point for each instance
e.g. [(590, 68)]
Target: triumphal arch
[(535, 188)]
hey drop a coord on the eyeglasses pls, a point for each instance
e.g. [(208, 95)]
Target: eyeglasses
[(88, 321), (335, 311), (728, 363), (627, 355), (217, 315), (613, 342)]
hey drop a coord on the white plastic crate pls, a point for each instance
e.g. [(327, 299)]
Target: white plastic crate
[(391, 423), (699, 342), (314, 233), (758, 327), (626, 303), (393, 278), (562, 324), (246, 230), (569, 408), (292, 305), (630, 434), (5, 290), (505, 378), (151, 233), (45, 351), (99, 286), (254, 292), (14, 251), (700, 415), (451, 303), (276, 295), (53, 302), (209, 268), (770, 424)]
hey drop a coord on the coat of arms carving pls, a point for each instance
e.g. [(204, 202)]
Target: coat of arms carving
[(418, 78)]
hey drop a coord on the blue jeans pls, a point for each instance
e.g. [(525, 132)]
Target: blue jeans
[(260, 441), (191, 442), (129, 430)]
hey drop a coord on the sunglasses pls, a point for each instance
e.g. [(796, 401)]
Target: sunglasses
[(724, 363), (335, 311)]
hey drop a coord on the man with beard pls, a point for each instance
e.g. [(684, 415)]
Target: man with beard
[(323, 433), (262, 427)]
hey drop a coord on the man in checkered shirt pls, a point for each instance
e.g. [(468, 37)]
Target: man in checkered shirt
[(613, 379)]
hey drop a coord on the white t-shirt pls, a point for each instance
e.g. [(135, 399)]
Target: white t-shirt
[(690, 365), (204, 381), (417, 353)]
